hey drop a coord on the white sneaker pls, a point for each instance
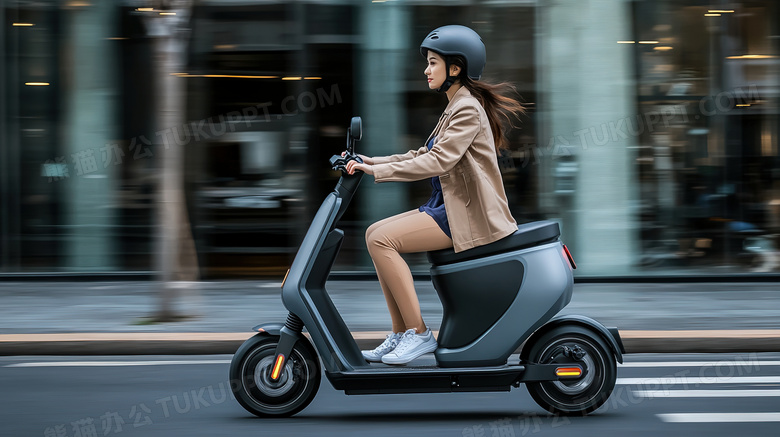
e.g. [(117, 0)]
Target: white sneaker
[(410, 347), (375, 356)]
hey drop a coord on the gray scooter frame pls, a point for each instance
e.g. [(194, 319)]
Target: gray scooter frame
[(479, 365)]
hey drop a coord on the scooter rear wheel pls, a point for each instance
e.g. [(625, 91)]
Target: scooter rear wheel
[(576, 396), (250, 377)]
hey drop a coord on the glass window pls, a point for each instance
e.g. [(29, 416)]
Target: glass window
[(708, 169)]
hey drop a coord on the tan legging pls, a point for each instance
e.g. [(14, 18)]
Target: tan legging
[(409, 232)]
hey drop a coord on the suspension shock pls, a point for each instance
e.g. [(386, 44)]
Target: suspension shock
[(289, 334)]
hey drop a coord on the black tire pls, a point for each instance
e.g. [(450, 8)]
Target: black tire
[(253, 388), (576, 396)]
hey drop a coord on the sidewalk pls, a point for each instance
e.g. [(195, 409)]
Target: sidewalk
[(107, 318)]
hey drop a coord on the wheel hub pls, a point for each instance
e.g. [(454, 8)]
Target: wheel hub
[(268, 386), (579, 385)]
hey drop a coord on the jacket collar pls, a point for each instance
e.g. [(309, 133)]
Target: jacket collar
[(460, 94)]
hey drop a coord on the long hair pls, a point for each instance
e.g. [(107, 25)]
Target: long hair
[(502, 111)]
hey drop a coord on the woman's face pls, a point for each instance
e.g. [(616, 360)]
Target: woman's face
[(436, 70)]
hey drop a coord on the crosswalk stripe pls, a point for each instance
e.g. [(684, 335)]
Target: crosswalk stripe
[(724, 364), (719, 417), (694, 381), (706, 393), (113, 363)]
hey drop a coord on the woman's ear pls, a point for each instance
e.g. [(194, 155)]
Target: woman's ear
[(454, 70)]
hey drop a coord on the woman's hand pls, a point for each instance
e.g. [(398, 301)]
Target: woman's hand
[(353, 166), (365, 166)]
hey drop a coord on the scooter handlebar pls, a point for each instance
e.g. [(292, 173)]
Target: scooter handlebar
[(354, 133), (338, 162)]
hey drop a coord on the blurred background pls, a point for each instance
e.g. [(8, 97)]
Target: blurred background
[(651, 131)]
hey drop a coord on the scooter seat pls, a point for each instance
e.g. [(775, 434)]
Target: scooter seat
[(527, 235)]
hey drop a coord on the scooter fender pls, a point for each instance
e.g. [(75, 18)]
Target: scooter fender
[(278, 329), (609, 335), (269, 328)]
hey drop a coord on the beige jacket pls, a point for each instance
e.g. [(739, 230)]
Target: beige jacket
[(463, 156)]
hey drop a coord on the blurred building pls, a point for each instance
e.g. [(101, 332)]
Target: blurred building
[(651, 131)]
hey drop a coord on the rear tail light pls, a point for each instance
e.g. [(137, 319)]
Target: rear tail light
[(571, 258), (568, 371)]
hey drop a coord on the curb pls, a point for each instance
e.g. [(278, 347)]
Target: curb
[(206, 343)]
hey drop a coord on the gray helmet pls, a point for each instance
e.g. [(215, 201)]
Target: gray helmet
[(458, 40)]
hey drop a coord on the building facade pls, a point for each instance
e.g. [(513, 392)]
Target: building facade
[(650, 133)]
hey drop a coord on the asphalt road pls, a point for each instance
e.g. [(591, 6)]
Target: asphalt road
[(669, 395)]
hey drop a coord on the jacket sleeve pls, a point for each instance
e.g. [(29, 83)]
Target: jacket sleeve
[(454, 141), (400, 157)]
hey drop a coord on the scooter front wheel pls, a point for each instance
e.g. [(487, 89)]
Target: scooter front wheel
[(574, 345), (258, 393)]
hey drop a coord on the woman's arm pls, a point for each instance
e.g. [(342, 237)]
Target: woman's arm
[(453, 142), (368, 162), (399, 157), (390, 158)]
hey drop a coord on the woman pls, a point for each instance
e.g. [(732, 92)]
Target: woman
[(468, 206)]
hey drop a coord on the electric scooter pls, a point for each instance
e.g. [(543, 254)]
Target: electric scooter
[(496, 298)]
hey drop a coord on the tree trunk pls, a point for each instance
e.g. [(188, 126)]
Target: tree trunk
[(175, 257)]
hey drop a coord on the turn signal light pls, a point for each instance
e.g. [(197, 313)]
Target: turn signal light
[(568, 371), (277, 367), (571, 258)]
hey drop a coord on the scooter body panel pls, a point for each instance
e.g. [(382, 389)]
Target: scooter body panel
[(304, 294), (538, 291)]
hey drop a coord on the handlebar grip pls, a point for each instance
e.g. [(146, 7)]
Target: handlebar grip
[(337, 160)]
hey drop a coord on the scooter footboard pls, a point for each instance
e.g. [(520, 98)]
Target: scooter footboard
[(492, 304)]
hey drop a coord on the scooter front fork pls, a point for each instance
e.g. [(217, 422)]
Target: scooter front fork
[(288, 335)]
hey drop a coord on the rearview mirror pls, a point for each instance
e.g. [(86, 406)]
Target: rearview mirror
[(356, 128)]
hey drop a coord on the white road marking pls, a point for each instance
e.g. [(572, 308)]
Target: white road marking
[(719, 417), (706, 393), (694, 381), (724, 363), (114, 363)]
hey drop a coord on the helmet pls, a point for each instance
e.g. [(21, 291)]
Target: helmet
[(457, 40)]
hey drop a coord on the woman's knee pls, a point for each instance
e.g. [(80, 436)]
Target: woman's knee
[(373, 239), (377, 241), (375, 233), (371, 230)]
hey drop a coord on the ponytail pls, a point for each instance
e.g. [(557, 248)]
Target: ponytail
[(501, 110)]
